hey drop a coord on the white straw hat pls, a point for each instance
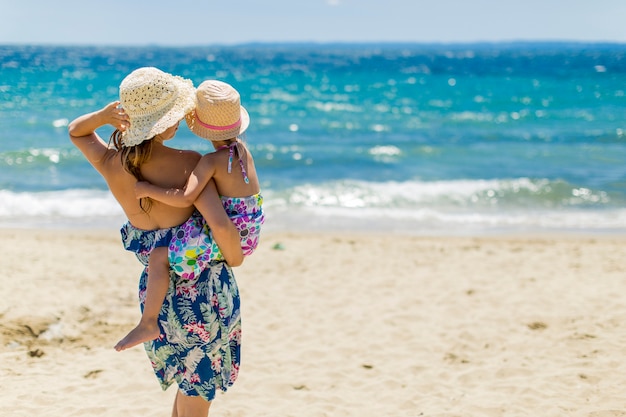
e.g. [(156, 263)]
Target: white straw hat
[(154, 100), (219, 114)]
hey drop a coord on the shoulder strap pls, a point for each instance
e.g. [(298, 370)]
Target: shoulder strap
[(232, 148)]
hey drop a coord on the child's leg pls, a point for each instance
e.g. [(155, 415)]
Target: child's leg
[(157, 285), (156, 289)]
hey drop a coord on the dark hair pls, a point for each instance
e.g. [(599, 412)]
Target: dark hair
[(132, 158)]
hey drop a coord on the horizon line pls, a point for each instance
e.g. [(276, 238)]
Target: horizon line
[(324, 43)]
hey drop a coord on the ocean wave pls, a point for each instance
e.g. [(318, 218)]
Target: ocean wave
[(453, 207), (496, 194), (59, 209)]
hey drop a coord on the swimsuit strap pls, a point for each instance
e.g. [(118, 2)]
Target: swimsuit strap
[(231, 150)]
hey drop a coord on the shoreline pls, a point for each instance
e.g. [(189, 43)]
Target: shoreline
[(326, 227), (481, 326)]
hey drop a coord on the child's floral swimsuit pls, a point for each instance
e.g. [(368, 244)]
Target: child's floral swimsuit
[(193, 246)]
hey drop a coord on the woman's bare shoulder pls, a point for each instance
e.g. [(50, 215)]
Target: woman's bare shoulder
[(184, 151), (182, 155)]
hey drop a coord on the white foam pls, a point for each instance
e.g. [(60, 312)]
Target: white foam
[(450, 207)]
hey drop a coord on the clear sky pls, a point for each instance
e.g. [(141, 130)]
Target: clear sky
[(207, 22)]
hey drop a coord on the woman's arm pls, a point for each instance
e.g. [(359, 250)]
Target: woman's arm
[(83, 134), (224, 231), (176, 197)]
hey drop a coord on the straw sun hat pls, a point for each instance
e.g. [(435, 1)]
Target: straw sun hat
[(219, 114), (154, 100)]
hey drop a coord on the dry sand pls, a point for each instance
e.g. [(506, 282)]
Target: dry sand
[(333, 325)]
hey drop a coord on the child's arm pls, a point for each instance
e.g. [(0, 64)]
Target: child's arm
[(198, 179), (224, 231)]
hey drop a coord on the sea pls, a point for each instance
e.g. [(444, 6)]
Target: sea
[(418, 139)]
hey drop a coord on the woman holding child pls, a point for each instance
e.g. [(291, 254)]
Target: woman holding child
[(199, 340)]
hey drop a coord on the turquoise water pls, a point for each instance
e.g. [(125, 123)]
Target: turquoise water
[(421, 139)]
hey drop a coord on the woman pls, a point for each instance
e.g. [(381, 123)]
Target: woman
[(200, 328)]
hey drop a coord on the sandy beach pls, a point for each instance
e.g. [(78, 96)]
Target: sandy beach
[(334, 325)]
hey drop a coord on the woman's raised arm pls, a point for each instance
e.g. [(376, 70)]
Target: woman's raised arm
[(82, 131)]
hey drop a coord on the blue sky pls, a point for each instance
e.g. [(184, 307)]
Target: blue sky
[(206, 22)]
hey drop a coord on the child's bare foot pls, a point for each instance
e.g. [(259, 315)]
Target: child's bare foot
[(142, 333)]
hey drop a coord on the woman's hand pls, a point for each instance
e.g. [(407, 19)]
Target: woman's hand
[(116, 116), (111, 114)]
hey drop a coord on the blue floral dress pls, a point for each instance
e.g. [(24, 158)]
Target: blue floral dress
[(200, 342)]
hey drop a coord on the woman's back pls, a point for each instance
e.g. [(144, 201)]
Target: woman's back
[(166, 167)]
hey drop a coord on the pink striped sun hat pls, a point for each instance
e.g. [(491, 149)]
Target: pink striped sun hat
[(218, 114)]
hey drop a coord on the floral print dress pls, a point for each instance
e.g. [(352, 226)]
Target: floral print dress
[(200, 342), (193, 246)]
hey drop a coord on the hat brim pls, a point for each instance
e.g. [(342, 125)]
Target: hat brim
[(217, 135)]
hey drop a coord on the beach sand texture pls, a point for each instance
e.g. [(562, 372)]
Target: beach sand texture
[(334, 325)]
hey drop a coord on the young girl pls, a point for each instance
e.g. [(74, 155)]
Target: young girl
[(220, 118)]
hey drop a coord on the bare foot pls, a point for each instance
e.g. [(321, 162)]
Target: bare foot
[(142, 333)]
